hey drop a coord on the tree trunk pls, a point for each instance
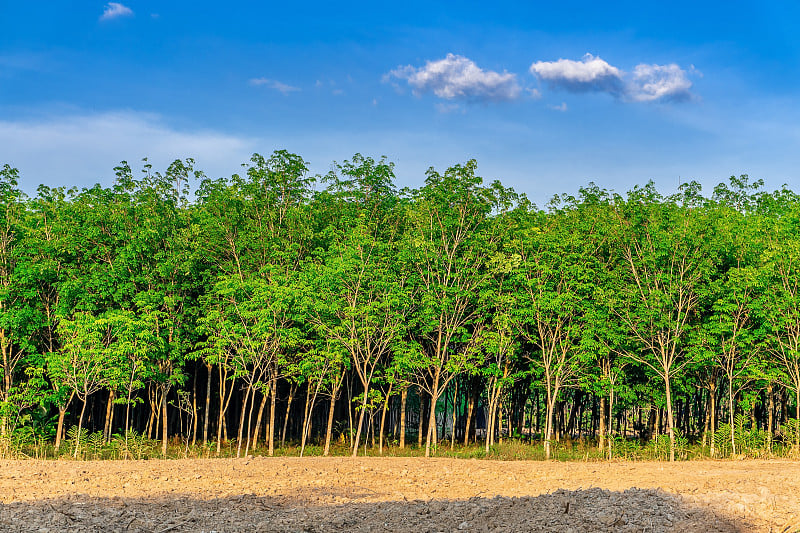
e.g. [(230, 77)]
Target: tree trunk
[(329, 428), (470, 411), (292, 391), (797, 418), (730, 417), (273, 390), (80, 426), (361, 415), (670, 421), (307, 417), (383, 418), (403, 399), (455, 417), (259, 418), (109, 416), (62, 411), (194, 408), (602, 421), (432, 429), (207, 414), (164, 423), (421, 419), (712, 398), (548, 426)]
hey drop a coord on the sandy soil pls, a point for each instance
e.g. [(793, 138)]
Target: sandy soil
[(398, 494)]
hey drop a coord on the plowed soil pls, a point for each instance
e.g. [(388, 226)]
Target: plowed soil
[(398, 494)]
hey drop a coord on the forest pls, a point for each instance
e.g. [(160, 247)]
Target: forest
[(275, 308)]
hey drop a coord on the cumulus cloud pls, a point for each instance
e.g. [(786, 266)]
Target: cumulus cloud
[(561, 107), (114, 10), (457, 77), (659, 82), (282, 88), (647, 83), (589, 74)]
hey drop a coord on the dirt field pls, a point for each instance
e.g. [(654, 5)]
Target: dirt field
[(398, 494)]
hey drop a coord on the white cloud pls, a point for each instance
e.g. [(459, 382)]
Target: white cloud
[(659, 82), (562, 107), (114, 10), (456, 77), (83, 149), (647, 83), (273, 84), (589, 74), (535, 93)]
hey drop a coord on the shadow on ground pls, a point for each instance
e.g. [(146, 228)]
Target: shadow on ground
[(563, 511)]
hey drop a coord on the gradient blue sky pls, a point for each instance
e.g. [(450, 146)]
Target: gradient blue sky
[(670, 92)]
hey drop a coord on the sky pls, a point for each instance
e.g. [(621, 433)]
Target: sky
[(545, 97)]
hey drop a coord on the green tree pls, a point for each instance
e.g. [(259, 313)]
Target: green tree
[(663, 266), (449, 242)]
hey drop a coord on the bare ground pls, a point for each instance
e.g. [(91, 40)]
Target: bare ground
[(398, 494)]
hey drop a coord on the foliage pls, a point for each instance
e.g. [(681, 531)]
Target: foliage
[(622, 314)]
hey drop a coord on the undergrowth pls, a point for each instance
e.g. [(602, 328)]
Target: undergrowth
[(749, 443)]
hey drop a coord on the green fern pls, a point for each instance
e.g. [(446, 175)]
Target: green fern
[(95, 443), (78, 440)]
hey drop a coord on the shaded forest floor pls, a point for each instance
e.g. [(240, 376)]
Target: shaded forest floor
[(398, 494)]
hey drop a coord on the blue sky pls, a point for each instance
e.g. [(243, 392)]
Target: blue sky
[(545, 97)]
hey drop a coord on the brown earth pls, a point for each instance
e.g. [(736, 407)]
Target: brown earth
[(398, 494)]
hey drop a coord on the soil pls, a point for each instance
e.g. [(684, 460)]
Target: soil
[(398, 494)]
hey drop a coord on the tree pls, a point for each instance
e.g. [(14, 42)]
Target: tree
[(781, 304), (362, 290), (556, 277), (16, 320), (82, 363), (657, 293), (449, 242)]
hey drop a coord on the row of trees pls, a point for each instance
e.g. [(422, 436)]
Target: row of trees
[(207, 318)]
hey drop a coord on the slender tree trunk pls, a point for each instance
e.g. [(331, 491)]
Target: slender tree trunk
[(670, 421), (164, 429), (62, 411), (361, 415), (403, 400), (249, 438), (207, 414), (797, 418), (455, 416), (602, 420), (194, 408), (225, 395), (329, 427), (109, 416), (383, 418), (706, 425), (422, 412), (432, 438), (306, 420), (242, 417), (548, 426), (470, 411), (80, 426), (292, 391), (730, 417), (713, 422), (770, 415), (259, 418), (273, 389)]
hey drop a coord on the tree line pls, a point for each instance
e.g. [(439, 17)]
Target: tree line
[(275, 305)]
